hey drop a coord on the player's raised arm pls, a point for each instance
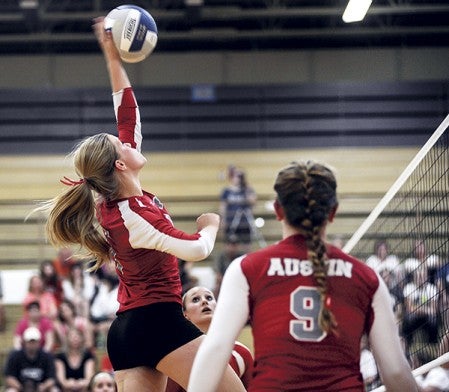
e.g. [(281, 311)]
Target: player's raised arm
[(117, 74)]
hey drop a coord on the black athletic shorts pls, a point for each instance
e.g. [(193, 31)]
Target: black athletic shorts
[(144, 335)]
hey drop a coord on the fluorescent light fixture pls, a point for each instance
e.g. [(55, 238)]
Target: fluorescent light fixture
[(29, 4), (356, 10)]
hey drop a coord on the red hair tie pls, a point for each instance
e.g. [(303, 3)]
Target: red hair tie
[(69, 182)]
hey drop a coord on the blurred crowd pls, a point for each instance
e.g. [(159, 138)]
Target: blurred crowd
[(59, 343), (418, 287)]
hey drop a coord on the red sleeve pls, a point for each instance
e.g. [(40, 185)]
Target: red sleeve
[(128, 118)]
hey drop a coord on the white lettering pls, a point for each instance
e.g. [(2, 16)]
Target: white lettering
[(293, 267), (276, 267), (306, 268), (338, 267)]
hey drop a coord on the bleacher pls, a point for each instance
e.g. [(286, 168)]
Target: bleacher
[(189, 184)]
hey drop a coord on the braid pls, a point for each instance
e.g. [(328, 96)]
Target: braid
[(307, 191)]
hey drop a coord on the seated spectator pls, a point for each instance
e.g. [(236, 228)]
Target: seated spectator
[(383, 260), (79, 288), (47, 301), (396, 293), (420, 322), (34, 318), (68, 319), (199, 306), (75, 365), (51, 280), (103, 308), (437, 379), (30, 369), (102, 382)]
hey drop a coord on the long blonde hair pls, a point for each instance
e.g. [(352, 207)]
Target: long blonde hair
[(72, 214), (307, 193)]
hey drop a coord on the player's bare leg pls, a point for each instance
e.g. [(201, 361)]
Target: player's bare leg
[(140, 379), (178, 364)]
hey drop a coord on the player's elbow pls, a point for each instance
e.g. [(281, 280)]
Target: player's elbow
[(401, 381), (199, 251)]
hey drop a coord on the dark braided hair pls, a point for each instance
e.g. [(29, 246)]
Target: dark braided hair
[(307, 193)]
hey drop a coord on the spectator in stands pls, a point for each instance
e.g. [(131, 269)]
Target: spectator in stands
[(34, 318), (51, 280), (2, 308), (102, 382), (63, 262), (442, 283), (236, 208), (75, 364), (199, 306), (420, 322), (36, 293), (30, 369), (437, 379), (79, 288), (230, 252), (396, 293), (69, 319), (382, 259), (104, 307)]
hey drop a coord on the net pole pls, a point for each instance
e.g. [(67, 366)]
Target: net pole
[(396, 186), (422, 369)]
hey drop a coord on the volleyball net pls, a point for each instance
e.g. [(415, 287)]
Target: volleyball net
[(406, 239)]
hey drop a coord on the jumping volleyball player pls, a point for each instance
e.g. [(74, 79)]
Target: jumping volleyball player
[(309, 303), (150, 339)]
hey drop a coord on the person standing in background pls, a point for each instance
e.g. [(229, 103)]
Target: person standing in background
[(236, 208)]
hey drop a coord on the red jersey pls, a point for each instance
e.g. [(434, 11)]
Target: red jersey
[(145, 244), (284, 306), (274, 288)]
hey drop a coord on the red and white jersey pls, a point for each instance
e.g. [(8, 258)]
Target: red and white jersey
[(275, 288), (284, 306), (145, 244)]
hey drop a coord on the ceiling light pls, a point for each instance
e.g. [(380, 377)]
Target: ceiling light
[(356, 10)]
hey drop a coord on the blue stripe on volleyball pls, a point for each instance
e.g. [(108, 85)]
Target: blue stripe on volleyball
[(146, 23)]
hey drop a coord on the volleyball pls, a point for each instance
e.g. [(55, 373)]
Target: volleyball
[(134, 32)]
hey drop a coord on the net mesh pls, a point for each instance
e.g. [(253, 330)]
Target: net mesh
[(407, 242)]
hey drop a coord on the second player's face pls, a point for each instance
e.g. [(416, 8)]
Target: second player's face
[(200, 304)]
